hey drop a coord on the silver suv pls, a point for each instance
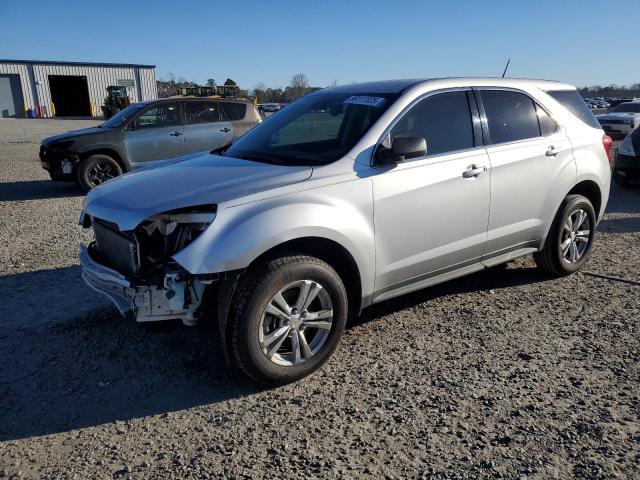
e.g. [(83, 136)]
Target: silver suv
[(145, 132), (350, 196)]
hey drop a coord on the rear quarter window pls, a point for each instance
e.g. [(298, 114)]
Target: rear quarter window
[(573, 102), (233, 111)]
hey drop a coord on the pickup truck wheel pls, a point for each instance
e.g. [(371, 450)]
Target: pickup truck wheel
[(570, 238), (96, 170), (287, 318)]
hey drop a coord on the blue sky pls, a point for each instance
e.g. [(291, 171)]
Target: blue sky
[(581, 42)]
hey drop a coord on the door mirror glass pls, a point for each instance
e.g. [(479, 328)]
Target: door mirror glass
[(402, 148)]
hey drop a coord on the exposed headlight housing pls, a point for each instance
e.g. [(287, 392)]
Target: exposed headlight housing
[(166, 223), (626, 147), (164, 234)]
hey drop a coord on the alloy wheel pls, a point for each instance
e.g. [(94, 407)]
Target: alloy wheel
[(296, 323), (100, 173), (576, 234)]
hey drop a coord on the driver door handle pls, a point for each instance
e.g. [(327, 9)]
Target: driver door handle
[(225, 130), (175, 134), (552, 151), (473, 171)]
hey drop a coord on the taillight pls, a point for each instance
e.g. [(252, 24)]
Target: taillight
[(607, 143)]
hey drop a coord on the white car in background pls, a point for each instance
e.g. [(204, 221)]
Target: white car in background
[(621, 119)]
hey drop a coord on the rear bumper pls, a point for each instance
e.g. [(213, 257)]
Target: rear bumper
[(108, 282)]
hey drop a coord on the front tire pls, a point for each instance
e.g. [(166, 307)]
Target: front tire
[(570, 238), (96, 170), (287, 318)]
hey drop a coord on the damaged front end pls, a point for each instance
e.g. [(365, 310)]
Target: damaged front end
[(135, 269), (59, 160)]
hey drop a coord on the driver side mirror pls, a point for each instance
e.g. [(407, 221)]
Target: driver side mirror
[(402, 149)]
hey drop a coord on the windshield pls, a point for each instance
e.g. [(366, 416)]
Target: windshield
[(317, 129), (627, 107), (122, 116)]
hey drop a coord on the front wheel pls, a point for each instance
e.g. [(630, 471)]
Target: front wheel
[(96, 170), (570, 238), (288, 316)]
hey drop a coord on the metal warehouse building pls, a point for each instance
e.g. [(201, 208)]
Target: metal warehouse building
[(30, 89)]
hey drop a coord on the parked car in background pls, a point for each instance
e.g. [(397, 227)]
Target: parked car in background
[(350, 196), (145, 132), (617, 101), (622, 119), (626, 167)]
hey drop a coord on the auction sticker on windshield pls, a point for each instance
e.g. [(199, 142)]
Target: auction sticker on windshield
[(365, 100)]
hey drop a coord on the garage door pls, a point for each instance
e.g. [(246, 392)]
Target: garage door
[(11, 100), (70, 95)]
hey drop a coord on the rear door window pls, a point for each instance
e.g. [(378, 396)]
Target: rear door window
[(573, 102), (511, 116), (201, 112), (233, 111)]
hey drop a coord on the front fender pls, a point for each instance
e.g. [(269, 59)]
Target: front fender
[(342, 213)]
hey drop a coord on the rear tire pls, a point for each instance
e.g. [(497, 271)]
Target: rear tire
[(96, 170), (570, 237), (276, 348)]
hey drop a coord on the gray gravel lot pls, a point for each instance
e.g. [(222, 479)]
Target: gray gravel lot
[(504, 374)]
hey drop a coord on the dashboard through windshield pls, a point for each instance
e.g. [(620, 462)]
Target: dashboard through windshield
[(317, 129)]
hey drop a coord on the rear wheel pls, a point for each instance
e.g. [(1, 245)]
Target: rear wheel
[(96, 170), (570, 238), (289, 314)]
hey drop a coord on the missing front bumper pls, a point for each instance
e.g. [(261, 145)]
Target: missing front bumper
[(108, 282), (178, 300)]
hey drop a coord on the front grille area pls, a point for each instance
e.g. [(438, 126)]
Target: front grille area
[(117, 250)]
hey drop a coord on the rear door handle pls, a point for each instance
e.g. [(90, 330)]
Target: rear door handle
[(225, 130), (175, 134), (473, 171), (552, 151)]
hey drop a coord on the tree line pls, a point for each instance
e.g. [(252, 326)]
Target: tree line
[(298, 87), (620, 91)]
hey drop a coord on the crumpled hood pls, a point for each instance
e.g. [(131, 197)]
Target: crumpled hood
[(71, 134), (195, 180), (617, 116)]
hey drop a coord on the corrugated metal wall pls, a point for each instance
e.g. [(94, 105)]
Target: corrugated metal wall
[(98, 78)]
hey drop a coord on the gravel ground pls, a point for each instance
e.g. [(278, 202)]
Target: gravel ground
[(504, 374)]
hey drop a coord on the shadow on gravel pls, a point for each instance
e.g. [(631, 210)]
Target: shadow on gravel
[(62, 369), (489, 279), (38, 190), (97, 368)]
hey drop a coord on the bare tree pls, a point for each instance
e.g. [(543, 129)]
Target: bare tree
[(259, 92), (298, 86)]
